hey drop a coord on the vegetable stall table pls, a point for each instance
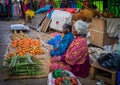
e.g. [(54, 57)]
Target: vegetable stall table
[(43, 59)]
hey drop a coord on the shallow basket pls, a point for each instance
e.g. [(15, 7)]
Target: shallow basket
[(51, 80)]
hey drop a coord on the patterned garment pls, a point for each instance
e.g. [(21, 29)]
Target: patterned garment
[(75, 59), (77, 52), (59, 65), (63, 45), (16, 10), (42, 3)]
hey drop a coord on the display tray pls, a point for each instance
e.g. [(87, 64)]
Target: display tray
[(44, 58)]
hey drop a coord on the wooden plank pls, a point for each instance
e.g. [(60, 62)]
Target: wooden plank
[(6, 53), (99, 77), (36, 21), (45, 24), (114, 78), (6, 76), (98, 66), (111, 81), (92, 72)]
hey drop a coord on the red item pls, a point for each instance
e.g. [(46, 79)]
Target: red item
[(42, 3), (74, 81), (58, 81), (71, 10), (85, 3)]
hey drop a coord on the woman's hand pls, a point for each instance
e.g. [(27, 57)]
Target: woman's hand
[(56, 59)]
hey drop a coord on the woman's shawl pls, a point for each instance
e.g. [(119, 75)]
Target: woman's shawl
[(77, 51), (63, 45)]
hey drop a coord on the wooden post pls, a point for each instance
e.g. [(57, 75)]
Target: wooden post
[(113, 79), (92, 73)]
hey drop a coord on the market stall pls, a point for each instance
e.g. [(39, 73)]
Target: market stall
[(27, 55), (25, 59)]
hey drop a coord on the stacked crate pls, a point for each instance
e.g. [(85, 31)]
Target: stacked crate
[(98, 31)]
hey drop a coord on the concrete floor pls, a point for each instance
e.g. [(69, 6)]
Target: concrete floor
[(5, 33)]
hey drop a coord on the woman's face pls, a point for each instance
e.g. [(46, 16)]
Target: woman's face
[(74, 32), (64, 30)]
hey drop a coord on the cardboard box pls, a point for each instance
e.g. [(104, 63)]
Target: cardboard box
[(98, 33), (100, 39), (99, 24)]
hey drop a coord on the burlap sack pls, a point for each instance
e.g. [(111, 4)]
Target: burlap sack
[(84, 14)]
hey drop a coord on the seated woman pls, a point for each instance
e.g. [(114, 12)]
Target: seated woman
[(76, 58), (64, 43)]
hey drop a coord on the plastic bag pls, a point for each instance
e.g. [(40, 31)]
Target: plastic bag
[(19, 27), (110, 61)]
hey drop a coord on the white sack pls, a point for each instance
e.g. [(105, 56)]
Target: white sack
[(59, 18)]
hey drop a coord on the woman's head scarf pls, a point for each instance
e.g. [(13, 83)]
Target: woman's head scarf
[(81, 27)]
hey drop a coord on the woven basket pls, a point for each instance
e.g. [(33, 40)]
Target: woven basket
[(84, 14)]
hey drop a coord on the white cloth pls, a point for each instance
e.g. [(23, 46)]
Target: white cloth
[(2, 2), (59, 18), (113, 27)]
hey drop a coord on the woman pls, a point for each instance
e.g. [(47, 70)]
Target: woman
[(76, 58), (64, 43)]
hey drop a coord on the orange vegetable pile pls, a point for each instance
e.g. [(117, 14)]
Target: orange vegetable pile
[(26, 45)]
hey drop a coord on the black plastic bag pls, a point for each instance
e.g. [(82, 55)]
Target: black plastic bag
[(110, 61)]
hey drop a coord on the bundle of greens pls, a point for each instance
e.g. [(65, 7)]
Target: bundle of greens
[(24, 65)]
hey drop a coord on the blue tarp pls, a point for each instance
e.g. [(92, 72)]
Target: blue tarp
[(44, 9), (55, 41)]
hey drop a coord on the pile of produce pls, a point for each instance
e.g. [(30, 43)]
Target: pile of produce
[(26, 45), (64, 78), (23, 65), (19, 35)]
